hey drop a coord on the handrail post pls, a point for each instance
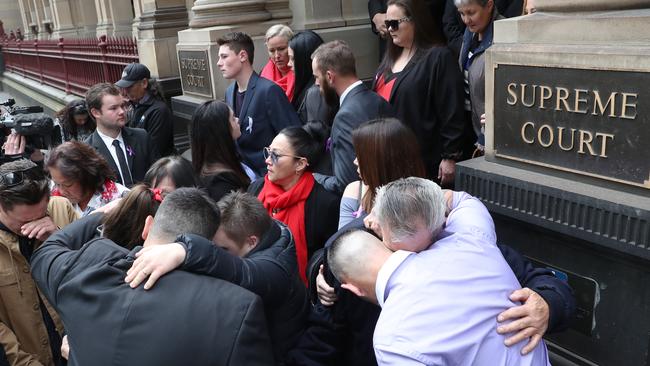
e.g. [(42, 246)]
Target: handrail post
[(38, 61), (66, 77), (102, 47)]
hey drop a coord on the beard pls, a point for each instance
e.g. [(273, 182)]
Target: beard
[(329, 94)]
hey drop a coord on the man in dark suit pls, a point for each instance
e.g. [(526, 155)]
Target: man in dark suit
[(187, 319), (129, 151), (261, 106), (335, 72)]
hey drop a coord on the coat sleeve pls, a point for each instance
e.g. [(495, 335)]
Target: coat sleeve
[(280, 111), (322, 343), (152, 150), (50, 261), (557, 293), (253, 344), (375, 7), (14, 355), (260, 275), (449, 101), (343, 155)]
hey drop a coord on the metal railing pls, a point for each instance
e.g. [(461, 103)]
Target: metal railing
[(72, 65)]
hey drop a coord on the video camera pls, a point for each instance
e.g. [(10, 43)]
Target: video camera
[(30, 122)]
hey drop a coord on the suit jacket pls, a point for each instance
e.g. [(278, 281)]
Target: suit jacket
[(359, 106), (144, 153), (186, 319), (264, 113)]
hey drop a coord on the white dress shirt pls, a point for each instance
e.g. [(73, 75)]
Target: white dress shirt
[(108, 141), (440, 306), (347, 90)]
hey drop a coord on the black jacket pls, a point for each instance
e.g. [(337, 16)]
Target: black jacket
[(359, 106), (342, 334), (219, 185), (155, 117), (270, 271), (321, 215), (185, 319), (142, 154), (428, 97)]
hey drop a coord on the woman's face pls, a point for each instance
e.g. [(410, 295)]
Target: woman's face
[(287, 168), (278, 48), (476, 17), (80, 119), (291, 61), (69, 188), (405, 32), (235, 131)]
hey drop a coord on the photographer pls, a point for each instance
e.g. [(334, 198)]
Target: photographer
[(29, 329), (28, 131)]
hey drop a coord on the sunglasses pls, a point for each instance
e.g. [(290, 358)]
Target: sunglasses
[(394, 23), (12, 179), (268, 153)]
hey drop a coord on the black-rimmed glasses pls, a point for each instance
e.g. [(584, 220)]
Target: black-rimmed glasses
[(268, 153), (394, 23)]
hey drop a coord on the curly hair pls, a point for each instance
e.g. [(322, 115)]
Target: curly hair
[(66, 117), (80, 162)]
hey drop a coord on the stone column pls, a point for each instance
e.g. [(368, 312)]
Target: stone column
[(137, 11), (115, 17), (209, 13), (64, 25), (25, 15), (84, 14)]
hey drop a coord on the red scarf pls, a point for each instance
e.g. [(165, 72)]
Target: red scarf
[(286, 82), (289, 208)]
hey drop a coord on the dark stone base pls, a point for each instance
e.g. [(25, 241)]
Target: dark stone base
[(183, 107), (597, 238)]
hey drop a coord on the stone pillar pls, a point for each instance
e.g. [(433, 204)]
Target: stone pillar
[(25, 16), (137, 11), (115, 17), (64, 25), (577, 203), (85, 18)]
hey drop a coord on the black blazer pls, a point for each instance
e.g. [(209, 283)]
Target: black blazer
[(359, 106), (144, 153), (186, 319), (264, 112)]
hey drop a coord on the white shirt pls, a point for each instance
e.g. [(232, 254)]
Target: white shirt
[(347, 90), (108, 141), (440, 306)]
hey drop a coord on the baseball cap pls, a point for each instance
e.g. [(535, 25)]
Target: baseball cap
[(133, 73)]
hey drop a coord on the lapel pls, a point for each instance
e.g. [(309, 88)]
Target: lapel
[(129, 145), (99, 145), (407, 69), (250, 91)]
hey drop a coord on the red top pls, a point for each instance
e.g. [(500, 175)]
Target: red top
[(384, 88), (286, 82)]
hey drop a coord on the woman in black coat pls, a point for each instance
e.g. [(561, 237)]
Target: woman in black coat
[(420, 78)]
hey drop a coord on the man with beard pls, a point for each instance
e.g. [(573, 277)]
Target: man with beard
[(334, 69)]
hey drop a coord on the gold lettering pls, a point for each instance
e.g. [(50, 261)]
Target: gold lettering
[(545, 94), (513, 94), (523, 133), (562, 94), (625, 105), (560, 132), (523, 95), (578, 100), (598, 103), (603, 143), (586, 142), (550, 136)]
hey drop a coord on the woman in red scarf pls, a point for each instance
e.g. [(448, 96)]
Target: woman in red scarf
[(292, 196), (277, 69)]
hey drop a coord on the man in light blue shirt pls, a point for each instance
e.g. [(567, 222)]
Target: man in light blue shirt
[(439, 306)]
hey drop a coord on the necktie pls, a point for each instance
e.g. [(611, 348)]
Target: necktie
[(124, 167)]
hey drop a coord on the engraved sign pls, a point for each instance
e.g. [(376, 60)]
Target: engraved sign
[(591, 122), (195, 72)]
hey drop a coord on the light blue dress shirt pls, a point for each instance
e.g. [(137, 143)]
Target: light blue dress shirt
[(440, 306)]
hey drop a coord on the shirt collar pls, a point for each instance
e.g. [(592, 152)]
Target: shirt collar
[(109, 140), (348, 89), (386, 272)]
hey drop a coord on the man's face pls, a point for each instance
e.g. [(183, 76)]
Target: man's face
[(417, 242), (112, 115), (230, 63), (326, 89), (223, 241), (136, 91), (22, 214)]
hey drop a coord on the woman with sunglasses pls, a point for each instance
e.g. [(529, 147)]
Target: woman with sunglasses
[(292, 196), (420, 78), (74, 121), (215, 158)]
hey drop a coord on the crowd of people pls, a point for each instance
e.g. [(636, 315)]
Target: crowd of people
[(311, 222)]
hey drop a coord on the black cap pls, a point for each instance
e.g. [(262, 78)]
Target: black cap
[(133, 73)]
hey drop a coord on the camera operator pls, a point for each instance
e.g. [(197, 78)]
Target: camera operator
[(30, 331), (14, 148), (28, 130)]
